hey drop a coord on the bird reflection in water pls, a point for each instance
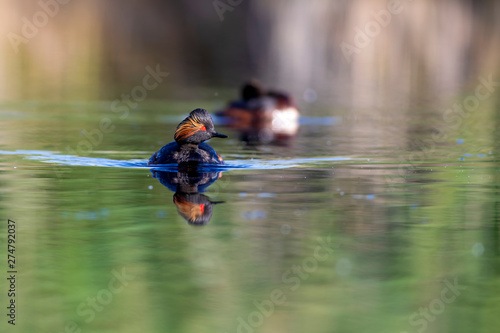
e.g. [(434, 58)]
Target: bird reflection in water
[(262, 117), (195, 207)]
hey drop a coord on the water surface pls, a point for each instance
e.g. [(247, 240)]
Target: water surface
[(361, 224)]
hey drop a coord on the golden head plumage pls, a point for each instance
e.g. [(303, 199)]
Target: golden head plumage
[(196, 128), (188, 127)]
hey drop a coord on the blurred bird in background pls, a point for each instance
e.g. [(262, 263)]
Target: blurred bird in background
[(262, 116)]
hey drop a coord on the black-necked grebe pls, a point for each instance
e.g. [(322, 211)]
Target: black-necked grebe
[(262, 116), (188, 147)]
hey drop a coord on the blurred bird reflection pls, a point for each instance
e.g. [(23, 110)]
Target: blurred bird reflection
[(195, 207)]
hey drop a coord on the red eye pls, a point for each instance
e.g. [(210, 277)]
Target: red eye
[(203, 128)]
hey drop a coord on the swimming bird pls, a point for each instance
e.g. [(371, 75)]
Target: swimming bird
[(189, 148), (262, 116)]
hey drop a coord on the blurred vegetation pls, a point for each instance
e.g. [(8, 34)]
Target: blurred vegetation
[(99, 49)]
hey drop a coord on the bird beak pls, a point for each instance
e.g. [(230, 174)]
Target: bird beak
[(218, 135), (217, 202)]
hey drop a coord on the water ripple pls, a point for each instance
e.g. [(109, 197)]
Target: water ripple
[(254, 164)]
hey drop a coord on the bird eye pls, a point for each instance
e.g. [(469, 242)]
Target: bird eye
[(203, 128)]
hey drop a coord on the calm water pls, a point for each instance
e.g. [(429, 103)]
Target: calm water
[(370, 221)]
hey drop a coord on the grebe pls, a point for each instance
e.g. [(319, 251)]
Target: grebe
[(262, 116), (189, 147)]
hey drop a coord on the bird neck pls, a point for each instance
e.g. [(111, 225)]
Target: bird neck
[(188, 145)]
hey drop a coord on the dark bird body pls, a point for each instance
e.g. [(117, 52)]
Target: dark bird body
[(189, 154), (189, 147)]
